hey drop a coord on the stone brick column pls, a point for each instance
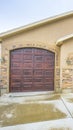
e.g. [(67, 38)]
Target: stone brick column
[(0, 69), (67, 73)]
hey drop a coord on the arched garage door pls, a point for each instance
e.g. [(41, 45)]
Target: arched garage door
[(31, 69)]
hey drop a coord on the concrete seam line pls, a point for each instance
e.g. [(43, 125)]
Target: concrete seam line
[(66, 107)]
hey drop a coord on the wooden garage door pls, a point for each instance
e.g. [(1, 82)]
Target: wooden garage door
[(31, 69)]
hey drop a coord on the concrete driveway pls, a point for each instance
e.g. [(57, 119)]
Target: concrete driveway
[(35, 112)]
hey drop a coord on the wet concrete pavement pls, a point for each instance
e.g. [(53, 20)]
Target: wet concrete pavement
[(34, 109)]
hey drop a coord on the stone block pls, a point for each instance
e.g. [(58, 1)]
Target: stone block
[(3, 91)]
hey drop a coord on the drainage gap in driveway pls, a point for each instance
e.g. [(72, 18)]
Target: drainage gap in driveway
[(66, 107)]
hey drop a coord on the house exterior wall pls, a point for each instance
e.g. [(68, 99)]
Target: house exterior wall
[(44, 37), (0, 62), (0, 71), (66, 65)]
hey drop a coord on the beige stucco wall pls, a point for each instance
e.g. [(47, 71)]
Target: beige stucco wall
[(48, 33), (44, 36), (66, 64), (0, 67), (0, 52), (0, 61)]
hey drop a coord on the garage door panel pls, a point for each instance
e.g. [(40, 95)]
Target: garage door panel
[(48, 66), (17, 81), (16, 56), (16, 78), (18, 85), (18, 60), (28, 51), (38, 58), (38, 80), (38, 52), (28, 73), (38, 72), (48, 83), (37, 86), (48, 73), (49, 87), (28, 79), (31, 69), (38, 66), (15, 89), (16, 64), (27, 86), (16, 67), (16, 72), (48, 80), (27, 58), (27, 65), (49, 53)]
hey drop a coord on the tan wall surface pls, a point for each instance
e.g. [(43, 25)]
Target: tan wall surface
[(0, 51), (0, 57), (66, 64), (0, 65), (48, 33)]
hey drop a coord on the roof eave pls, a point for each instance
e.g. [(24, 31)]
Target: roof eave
[(60, 41), (36, 24)]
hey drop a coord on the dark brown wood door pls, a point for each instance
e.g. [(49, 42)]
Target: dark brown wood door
[(31, 69)]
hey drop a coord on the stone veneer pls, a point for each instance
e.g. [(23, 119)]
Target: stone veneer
[(67, 72), (6, 62)]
